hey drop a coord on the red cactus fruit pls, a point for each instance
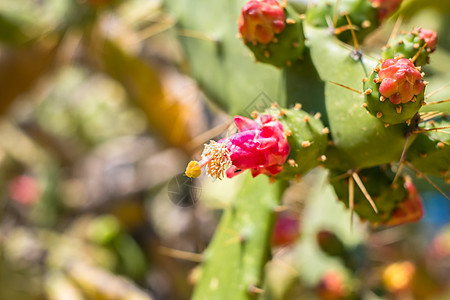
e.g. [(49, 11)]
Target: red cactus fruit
[(400, 80), (260, 145), (24, 189), (430, 37), (260, 20), (410, 210), (385, 7), (286, 230), (332, 286)]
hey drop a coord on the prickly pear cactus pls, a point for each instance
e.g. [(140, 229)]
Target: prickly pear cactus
[(366, 120), (273, 32)]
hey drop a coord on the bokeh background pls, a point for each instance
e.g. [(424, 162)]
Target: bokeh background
[(98, 121)]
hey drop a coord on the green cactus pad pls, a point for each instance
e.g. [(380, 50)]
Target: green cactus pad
[(361, 13), (360, 140), (407, 45), (378, 182), (430, 152), (289, 44), (385, 110), (307, 138)]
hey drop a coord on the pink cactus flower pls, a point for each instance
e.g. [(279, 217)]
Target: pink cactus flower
[(400, 80), (430, 37), (260, 146), (260, 20), (385, 7)]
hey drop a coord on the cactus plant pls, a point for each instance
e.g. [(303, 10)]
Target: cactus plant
[(368, 117)]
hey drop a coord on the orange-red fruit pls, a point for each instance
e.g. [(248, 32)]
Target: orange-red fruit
[(401, 81), (260, 20)]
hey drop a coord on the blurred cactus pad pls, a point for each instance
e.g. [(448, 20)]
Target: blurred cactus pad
[(370, 101)]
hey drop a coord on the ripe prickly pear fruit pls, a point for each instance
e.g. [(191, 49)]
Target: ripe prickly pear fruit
[(410, 209), (307, 138), (394, 91), (272, 31), (362, 14), (408, 45), (287, 229), (378, 183), (430, 152)]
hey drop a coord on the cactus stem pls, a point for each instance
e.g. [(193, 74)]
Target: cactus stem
[(280, 208), (254, 290), (292, 163), (355, 40), (364, 191), (437, 102), (368, 91), (397, 25), (326, 130), (306, 144), (436, 91), (297, 106), (427, 179), (364, 105), (418, 52), (347, 87), (398, 109), (351, 199), (290, 21), (288, 132), (197, 35), (425, 117), (379, 114), (179, 254), (317, 116), (421, 130)]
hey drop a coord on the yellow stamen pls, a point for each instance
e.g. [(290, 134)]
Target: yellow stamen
[(193, 169), (215, 158)]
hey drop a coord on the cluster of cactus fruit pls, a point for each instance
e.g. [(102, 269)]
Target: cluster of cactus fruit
[(368, 124), (286, 143)]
